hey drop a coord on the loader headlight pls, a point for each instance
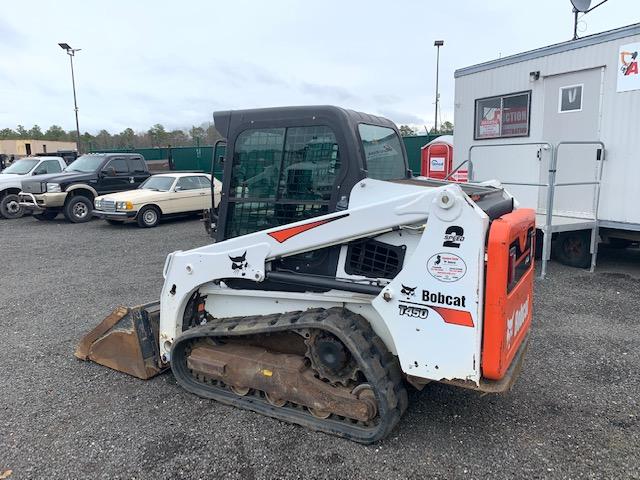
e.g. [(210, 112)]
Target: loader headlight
[(124, 206), (53, 188)]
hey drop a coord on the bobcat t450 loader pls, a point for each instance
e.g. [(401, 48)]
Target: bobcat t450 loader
[(336, 280)]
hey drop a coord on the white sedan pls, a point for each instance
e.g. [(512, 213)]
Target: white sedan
[(162, 195)]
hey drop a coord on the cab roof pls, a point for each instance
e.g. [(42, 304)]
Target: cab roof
[(228, 120), (43, 157), (181, 174)]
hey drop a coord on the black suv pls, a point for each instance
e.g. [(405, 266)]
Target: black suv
[(72, 191)]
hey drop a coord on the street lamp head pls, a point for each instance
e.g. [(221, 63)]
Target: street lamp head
[(71, 52), (438, 43)]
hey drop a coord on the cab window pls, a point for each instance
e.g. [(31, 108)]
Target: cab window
[(119, 165), (204, 182), (383, 152), (256, 163), (137, 165), (188, 183), (280, 176), (47, 166), (293, 163), (309, 165)]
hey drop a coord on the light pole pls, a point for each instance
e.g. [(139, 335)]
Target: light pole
[(437, 44), (71, 52)]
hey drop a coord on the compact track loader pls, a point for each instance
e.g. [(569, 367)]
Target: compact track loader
[(336, 280)]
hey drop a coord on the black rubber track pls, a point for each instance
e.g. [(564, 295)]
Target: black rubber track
[(380, 368)]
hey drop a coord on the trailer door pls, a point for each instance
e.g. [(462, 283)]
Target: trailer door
[(572, 103)]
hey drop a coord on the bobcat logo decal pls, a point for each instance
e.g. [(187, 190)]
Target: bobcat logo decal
[(239, 263), (408, 291)]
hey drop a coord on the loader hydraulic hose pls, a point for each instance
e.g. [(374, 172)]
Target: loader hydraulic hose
[(322, 282)]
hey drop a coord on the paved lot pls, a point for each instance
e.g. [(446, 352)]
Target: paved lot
[(573, 414)]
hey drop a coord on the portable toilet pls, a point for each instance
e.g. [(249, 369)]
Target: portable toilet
[(436, 160)]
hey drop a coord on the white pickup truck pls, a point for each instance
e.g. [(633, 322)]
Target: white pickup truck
[(12, 176)]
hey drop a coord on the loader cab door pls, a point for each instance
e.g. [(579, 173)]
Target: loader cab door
[(279, 176)]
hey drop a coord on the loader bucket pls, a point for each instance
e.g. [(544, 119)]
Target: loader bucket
[(127, 341)]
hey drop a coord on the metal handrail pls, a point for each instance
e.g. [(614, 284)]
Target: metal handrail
[(456, 169), (551, 186), (544, 144), (525, 184), (596, 197)]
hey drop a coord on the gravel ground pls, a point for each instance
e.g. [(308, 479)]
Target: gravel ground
[(572, 414)]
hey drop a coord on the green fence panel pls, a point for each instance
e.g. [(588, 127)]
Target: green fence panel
[(413, 145), (184, 158)]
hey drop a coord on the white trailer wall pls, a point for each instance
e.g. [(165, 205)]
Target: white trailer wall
[(607, 115)]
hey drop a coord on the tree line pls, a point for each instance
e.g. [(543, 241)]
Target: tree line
[(446, 128), (156, 136)]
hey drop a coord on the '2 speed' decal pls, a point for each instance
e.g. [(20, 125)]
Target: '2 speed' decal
[(453, 236)]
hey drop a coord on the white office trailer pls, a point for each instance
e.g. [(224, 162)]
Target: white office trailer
[(560, 127)]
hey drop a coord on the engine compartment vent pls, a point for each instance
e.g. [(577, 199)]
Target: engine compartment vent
[(371, 258)]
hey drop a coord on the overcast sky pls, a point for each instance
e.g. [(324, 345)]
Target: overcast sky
[(146, 62)]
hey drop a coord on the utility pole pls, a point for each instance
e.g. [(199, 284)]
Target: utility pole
[(437, 44), (71, 52)]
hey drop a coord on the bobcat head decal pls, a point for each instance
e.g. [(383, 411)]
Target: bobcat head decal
[(408, 291), (239, 263)]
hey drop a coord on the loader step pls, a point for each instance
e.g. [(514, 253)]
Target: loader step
[(211, 361)]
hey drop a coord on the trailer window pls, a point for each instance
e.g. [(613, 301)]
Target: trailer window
[(383, 152), (570, 98), (503, 116)]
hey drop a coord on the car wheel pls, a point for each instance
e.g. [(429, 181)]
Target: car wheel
[(10, 206), (148, 216), (78, 209), (47, 215), (573, 249)]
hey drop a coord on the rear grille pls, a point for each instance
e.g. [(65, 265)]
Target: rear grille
[(33, 187), (371, 258), (108, 205)]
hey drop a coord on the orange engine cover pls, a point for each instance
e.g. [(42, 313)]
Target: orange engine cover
[(508, 305)]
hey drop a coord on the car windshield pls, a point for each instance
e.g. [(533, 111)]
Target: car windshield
[(22, 166), (85, 164), (159, 184)]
